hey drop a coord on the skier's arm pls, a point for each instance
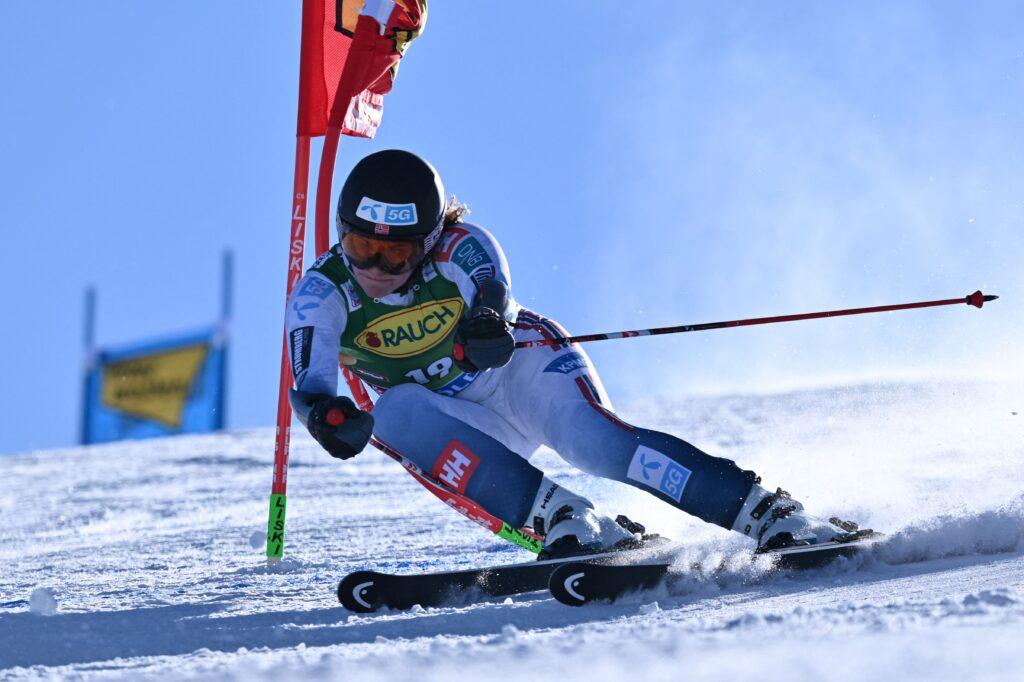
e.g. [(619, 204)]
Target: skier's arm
[(484, 340), (469, 256), (472, 258), (314, 321)]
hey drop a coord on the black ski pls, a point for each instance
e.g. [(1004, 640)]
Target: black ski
[(368, 591), (578, 583)]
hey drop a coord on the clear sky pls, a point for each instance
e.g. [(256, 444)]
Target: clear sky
[(642, 164)]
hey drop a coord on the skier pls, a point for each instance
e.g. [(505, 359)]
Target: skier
[(418, 304)]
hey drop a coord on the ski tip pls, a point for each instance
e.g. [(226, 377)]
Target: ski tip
[(978, 299), (357, 594)]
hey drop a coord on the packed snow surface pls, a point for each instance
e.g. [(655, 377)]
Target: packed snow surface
[(146, 558)]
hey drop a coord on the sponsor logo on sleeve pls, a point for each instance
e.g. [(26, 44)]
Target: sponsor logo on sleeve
[(469, 254), (449, 240), (655, 470), (565, 364), (455, 466), (315, 287), (384, 214), (351, 296), (301, 346), (411, 331), (300, 310), (483, 273)]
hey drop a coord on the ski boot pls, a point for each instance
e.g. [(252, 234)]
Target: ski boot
[(571, 526), (776, 520)]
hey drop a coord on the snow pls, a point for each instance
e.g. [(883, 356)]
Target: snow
[(42, 602), (153, 550), (258, 539)]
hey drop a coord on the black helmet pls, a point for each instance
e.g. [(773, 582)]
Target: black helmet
[(393, 194)]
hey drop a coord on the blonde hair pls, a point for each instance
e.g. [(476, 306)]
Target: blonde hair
[(455, 212)]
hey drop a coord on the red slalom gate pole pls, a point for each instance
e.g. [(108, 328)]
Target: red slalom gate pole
[(328, 156), (296, 252), (977, 299)]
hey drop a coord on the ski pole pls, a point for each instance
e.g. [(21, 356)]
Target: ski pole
[(465, 506), (977, 299)]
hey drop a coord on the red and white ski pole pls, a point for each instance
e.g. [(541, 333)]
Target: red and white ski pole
[(977, 299), (523, 537)]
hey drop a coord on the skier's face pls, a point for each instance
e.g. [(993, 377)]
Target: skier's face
[(375, 282)]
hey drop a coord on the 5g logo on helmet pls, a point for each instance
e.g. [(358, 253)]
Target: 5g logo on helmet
[(383, 213)]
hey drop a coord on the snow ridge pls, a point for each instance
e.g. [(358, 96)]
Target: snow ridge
[(984, 532)]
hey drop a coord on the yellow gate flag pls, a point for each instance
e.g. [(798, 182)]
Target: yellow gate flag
[(154, 386), (162, 388)]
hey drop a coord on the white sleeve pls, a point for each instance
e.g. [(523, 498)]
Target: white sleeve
[(470, 255), (314, 321)]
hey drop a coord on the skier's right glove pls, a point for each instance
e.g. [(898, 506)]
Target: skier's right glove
[(341, 428)]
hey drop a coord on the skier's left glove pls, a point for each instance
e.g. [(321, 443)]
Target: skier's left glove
[(341, 428), (483, 341)]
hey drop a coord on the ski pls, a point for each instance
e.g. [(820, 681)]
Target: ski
[(367, 591), (576, 583)]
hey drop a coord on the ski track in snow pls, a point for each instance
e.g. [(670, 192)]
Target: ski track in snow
[(145, 548)]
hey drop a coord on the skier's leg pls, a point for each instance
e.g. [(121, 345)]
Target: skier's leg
[(461, 444), (558, 393)]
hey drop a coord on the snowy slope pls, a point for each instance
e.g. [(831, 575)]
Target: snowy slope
[(146, 550)]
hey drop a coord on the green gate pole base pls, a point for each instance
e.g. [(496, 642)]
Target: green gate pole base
[(275, 527), (517, 537)]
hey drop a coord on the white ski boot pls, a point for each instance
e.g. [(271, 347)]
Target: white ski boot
[(776, 520), (571, 526)]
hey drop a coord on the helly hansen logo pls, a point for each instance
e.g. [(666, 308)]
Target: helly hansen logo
[(455, 466), (655, 470)]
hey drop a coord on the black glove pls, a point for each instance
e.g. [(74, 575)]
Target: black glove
[(483, 341), (338, 425)]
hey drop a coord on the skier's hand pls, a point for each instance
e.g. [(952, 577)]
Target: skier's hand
[(483, 341), (338, 425)]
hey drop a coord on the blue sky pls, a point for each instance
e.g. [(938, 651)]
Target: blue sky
[(682, 162)]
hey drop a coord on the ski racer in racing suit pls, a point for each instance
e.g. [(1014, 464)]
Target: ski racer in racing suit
[(418, 304)]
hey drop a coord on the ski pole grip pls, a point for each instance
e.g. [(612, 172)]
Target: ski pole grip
[(335, 417)]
